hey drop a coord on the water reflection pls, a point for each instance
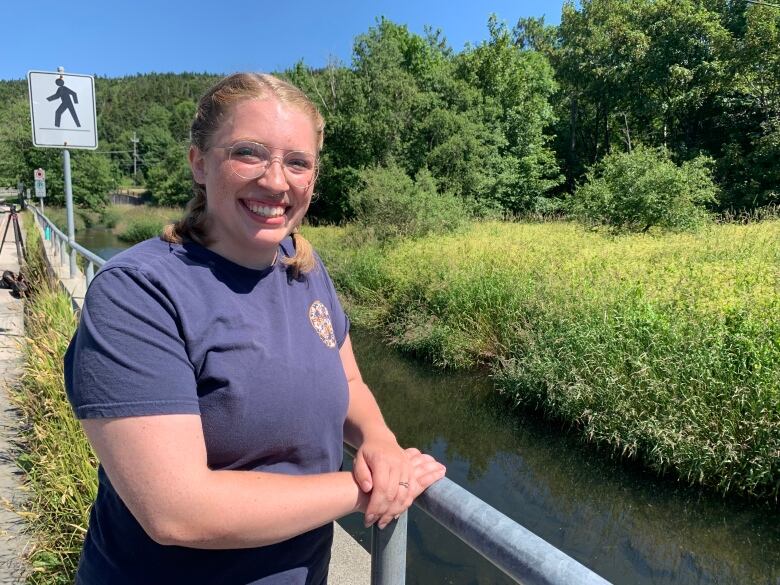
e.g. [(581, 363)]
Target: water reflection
[(101, 241), (624, 523)]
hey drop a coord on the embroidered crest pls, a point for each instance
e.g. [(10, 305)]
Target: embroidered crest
[(320, 320)]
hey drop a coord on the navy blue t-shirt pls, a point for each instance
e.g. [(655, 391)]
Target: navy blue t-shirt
[(178, 329)]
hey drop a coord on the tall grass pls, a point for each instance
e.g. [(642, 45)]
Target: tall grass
[(130, 223), (664, 348), (59, 463)]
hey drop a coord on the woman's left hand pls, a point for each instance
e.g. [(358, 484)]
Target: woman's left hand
[(379, 468)]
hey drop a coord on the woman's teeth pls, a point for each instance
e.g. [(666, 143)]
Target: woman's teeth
[(265, 210)]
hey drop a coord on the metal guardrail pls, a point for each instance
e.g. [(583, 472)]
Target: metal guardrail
[(510, 547), (66, 250), (515, 550)]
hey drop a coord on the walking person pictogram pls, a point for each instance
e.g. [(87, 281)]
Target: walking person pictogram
[(68, 97)]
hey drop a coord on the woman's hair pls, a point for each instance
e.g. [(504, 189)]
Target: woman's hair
[(212, 109)]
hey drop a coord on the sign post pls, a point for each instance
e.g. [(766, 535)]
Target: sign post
[(40, 185), (63, 113)]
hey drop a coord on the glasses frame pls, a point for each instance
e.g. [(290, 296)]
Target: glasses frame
[(280, 158)]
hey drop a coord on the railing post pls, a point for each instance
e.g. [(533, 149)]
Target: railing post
[(90, 272), (388, 553), (63, 252)]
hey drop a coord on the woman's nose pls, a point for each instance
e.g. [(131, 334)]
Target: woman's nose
[(274, 177)]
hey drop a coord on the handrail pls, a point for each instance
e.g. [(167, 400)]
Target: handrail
[(62, 243), (510, 547)]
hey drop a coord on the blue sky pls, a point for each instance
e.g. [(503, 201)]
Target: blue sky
[(115, 38)]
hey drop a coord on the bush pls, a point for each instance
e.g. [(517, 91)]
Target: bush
[(389, 205), (142, 229), (634, 191), (109, 217)]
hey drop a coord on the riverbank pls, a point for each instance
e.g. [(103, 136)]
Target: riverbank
[(130, 223), (663, 348)]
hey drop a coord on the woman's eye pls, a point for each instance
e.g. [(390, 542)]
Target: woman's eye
[(299, 163)]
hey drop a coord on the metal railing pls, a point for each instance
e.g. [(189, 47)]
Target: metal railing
[(510, 547), (67, 250), (518, 552)]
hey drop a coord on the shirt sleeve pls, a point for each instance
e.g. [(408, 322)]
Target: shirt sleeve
[(338, 317), (128, 357)]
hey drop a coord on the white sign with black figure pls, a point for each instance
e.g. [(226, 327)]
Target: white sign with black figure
[(62, 107)]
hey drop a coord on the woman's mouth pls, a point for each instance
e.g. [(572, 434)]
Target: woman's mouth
[(264, 209)]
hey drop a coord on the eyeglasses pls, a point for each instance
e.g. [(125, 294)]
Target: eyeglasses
[(251, 160)]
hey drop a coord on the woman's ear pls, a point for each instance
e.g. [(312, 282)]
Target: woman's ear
[(197, 164)]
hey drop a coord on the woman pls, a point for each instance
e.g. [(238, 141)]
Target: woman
[(214, 375)]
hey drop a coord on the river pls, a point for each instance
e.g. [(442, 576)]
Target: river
[(627, 524)]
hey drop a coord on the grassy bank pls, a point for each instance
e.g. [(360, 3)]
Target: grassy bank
[(130, 223), (58, 461), (665, 348)]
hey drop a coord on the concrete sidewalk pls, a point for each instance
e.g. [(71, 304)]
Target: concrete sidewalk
[(12, 541)]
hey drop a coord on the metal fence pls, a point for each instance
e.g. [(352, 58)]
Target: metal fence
[(513, 549), (65, 250), (510, 547)]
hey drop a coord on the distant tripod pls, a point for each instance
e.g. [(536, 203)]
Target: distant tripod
[(13, 217)]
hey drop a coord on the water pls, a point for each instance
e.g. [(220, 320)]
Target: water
[(100, 241), (624, 523)]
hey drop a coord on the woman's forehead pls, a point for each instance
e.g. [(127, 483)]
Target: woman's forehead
[(269, 120)]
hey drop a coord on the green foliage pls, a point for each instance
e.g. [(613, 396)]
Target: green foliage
[(665, 349), (60, 466), (637, 190), (140, 229), (109, 217), (389, 205), (495, 123), (170, 182)]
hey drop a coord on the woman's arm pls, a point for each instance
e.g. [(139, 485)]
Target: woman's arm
[(158, 466), (381, 465)]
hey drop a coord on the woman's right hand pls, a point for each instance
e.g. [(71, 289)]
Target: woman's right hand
[(425, 471)]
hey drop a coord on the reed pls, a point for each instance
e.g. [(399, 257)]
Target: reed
[(666, 348)]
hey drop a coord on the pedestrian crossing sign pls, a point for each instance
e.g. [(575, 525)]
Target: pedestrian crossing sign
[(62, 109)]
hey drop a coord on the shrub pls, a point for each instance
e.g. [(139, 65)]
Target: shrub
[(389, 204), (141, 229), (634, 191), (109, 217)]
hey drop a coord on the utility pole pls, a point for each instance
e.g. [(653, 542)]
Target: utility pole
[(135, 157)]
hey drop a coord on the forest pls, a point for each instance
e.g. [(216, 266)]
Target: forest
[(537, 120)]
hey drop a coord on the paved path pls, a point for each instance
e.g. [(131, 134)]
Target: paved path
[(12, 541)]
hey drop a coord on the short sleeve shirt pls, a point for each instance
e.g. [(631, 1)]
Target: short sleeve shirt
[(178, 329)]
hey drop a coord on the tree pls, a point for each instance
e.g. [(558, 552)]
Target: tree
[(170, 181), (516, 86)]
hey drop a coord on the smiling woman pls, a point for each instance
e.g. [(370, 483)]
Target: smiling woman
[(217, 383)]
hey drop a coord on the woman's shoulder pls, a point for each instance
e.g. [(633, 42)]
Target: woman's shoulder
[(148, 255)]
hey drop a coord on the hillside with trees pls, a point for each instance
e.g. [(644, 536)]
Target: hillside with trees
[(513, 125)]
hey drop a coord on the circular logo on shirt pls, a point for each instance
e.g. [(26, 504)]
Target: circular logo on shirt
[(320, 320)]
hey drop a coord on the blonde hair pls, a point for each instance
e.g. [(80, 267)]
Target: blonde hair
[(212, 108)]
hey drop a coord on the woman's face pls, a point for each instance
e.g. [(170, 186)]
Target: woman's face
[(247, 218)]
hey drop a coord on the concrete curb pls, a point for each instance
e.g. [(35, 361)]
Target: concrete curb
[(13, 541)]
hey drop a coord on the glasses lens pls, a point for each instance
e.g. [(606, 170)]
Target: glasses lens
[(299, 168), (250, 160)]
